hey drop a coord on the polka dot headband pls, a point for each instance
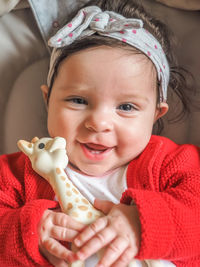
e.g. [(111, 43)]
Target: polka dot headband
[(92, 19)]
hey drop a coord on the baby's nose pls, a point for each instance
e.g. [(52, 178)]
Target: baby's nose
[(99, 121)]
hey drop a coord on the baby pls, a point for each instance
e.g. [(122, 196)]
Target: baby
[(110, 70)]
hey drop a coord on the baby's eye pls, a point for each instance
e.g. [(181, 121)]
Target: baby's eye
[(77, 100), (127, 107)]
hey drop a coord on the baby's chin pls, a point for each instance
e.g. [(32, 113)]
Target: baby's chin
[(92, 170)]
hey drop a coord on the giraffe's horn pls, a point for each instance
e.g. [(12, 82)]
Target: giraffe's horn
[(34, 140)]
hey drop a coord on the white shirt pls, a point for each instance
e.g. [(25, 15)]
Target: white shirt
[(108, 187)]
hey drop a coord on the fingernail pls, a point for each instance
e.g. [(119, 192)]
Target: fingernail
[(77, 242), (80, 255)]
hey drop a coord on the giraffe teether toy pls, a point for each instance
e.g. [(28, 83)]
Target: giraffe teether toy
[(49, 159)]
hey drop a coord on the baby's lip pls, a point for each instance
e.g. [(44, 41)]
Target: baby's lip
[(95, 152), (94, 146)]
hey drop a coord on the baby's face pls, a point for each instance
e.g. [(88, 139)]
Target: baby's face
[(103, 102)]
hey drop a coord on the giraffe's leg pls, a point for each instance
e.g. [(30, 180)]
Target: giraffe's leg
[(133, 263), (158, 263), (137, 263), (76, 263), (146, 263)]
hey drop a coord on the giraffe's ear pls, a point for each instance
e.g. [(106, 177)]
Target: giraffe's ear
[(58, 142), (25, 147)]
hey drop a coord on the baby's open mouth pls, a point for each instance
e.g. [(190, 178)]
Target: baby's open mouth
[(95, 151), (95, 148)]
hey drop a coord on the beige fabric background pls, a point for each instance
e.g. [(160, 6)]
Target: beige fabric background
[(24, 65), (186, 27)]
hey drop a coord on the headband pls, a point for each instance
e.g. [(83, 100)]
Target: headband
[(92, 19)]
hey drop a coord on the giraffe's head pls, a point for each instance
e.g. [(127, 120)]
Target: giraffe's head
[(46, 154)]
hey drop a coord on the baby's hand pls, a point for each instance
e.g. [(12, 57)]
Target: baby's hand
[(118, 231), (53, 227)]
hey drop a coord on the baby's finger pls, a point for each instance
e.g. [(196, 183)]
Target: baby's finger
[(125, 258), (55, 248), (114, 251), (100, 240), (54, 260), (90, 231), (103, 205), (64, 220), (63, 233)]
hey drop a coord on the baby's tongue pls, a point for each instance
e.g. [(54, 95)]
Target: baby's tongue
[(95, 146)]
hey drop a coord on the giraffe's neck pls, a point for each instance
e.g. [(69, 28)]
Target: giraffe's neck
[(72, 202)]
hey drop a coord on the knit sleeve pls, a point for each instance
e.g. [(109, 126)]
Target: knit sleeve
[(167, 196), (19, 217)]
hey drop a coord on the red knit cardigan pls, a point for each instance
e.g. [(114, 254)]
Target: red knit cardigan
[(164, 182)]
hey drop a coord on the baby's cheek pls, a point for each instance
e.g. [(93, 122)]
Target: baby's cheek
[(131, 148)]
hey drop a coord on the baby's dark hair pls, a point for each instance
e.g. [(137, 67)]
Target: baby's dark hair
[(179, 77)]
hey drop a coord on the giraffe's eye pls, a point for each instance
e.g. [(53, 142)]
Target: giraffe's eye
[(41, 145)]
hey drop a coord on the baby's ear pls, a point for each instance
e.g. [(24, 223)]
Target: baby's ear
[(45, 90), (161, 110)]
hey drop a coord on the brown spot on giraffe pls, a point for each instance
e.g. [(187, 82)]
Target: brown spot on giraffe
[(89, 215), (85, 201), (58, 171), (83, 208), (69, 193), (69, 206), (75, 191)]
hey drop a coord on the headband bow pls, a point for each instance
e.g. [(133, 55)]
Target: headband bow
[(92, 19)]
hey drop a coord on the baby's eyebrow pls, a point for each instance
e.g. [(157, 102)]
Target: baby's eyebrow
[(134, 96), (78, 87)]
